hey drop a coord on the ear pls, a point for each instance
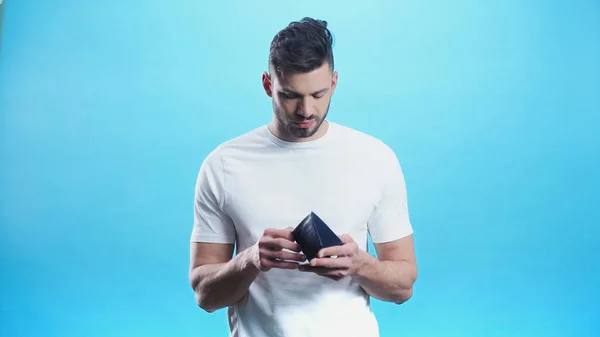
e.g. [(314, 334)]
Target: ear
[(334, 79), (266, 82)]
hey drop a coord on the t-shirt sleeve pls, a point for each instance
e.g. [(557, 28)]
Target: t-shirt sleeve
[(390, 219), (211, 222)]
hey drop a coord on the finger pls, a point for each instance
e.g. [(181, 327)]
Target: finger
[(331, 251), (346, 238), (269, 263), (335, 274), (346, 249), (339, 263), (280, 233), (335, 278), (316, 270), (279, 244), (282, 255)]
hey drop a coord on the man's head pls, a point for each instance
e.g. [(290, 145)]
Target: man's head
[(301, 79)]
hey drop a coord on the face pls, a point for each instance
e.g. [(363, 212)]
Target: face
[(300, 102)]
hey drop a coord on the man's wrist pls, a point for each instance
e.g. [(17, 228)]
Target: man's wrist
[(364, 265), (249, 260)]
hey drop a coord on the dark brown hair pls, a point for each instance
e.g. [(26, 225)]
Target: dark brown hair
[(302, 46)]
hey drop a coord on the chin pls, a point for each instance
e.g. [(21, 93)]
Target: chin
[(303, 133)]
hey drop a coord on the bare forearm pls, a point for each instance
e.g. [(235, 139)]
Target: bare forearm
[(224, 284), (390, 281)]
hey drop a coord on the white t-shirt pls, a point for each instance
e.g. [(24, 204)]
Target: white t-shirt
[(351, 180)]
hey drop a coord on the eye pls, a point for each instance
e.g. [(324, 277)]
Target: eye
[(288, 95)]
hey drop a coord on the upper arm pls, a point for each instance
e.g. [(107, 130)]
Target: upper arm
[(390, 220), (212, 224), (390, 226), (202, 253), (213, 233), (398, 250)]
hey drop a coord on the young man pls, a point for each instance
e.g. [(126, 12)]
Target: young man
[(253, 190)]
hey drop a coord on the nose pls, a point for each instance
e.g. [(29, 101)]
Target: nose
[(305, 108)]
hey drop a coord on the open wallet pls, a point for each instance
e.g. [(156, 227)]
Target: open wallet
[(313, 234)]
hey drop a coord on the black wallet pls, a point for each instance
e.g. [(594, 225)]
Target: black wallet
[(313, 234)]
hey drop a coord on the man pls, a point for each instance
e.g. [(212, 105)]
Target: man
[(253, 190)]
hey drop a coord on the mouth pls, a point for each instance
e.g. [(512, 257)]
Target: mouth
[(305, 124)]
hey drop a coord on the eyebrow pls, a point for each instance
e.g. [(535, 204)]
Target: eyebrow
[(287, 91)]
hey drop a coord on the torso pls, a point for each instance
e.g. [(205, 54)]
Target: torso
[(273, 184)]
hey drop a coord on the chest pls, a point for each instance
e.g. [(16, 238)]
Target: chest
[(277, 193)]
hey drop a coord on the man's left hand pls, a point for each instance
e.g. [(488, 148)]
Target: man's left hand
[(336, 262)]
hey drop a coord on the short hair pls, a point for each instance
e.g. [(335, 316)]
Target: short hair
[(301, 47)]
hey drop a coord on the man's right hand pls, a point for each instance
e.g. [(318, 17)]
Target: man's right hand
[(268, 252)]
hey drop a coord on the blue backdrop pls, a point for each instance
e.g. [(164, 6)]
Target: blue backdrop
[(109, 108)]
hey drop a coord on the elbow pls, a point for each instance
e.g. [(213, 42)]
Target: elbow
[(202, 300), (208, 309), (406, 292), (204, 303), (404, 296)]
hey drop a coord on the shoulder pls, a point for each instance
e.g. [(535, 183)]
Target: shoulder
[(212, 169), (364, 144), (252, 138)]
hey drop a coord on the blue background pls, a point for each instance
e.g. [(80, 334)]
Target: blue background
[(109, 108)]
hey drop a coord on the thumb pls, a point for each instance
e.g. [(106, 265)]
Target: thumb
[(346, 238)]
